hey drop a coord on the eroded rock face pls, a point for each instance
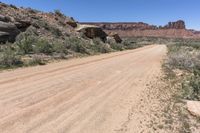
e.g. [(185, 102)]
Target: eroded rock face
[(48, 25), (175, 25), (92, 32), (8, 32)]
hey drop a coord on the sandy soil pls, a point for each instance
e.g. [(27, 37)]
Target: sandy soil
[(98, 94)]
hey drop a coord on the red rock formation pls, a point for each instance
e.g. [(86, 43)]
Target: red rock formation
[(172, 29), (175, 25)]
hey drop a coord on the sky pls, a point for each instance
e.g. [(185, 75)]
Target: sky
[(157, 12)]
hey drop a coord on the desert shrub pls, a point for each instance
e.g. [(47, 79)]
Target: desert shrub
[(59, 47), (55, 31), (29, 43), (9, 57), (77, 45), (41, 24), (191, 86), (58, 12), (26, 44), (99, 46), (26, 40), (180, 56), (43, 46), (183, 57), (117, 46), (36, 60), (105, 48), (181, 60), (33, 11), (13, 6), (130, 44)]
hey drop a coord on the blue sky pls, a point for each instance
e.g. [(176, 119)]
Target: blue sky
[(157, 12)]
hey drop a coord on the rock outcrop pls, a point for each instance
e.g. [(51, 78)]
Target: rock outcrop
[(180, 24), (92, 31), (8, 32), (14, 20), (116, 37)]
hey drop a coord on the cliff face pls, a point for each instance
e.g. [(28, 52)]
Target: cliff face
[(172, 29), (175, 25), (138, 26)]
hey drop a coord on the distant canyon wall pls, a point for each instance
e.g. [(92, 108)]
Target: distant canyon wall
[(171, 30)]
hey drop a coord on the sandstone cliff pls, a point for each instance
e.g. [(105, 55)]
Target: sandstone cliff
[(171, 30)]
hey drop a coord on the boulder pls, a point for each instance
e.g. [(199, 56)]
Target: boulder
[(116, 37), (194, 108), (4, 36), (92, 32), (8, 32)]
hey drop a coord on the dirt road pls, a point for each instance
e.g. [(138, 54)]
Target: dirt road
[(90, 95)]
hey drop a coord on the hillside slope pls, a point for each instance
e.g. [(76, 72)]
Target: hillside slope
[(30, 37)]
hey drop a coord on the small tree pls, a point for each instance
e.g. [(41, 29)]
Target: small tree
[(58, 12)]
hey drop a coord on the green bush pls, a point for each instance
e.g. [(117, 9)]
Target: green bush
[(59, 47), (117, 46), (9, 58), (187, 58), (58, 12), (43, 46), (99, 46), (55, 31), (77, 45), (41, 24), (191, 86), (26, 44), (130, 44), (26, 40)]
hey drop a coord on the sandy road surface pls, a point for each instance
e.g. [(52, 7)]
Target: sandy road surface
[(88, 95)]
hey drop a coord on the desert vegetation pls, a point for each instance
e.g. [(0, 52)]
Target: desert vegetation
[(31, 49), (185, 56)]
